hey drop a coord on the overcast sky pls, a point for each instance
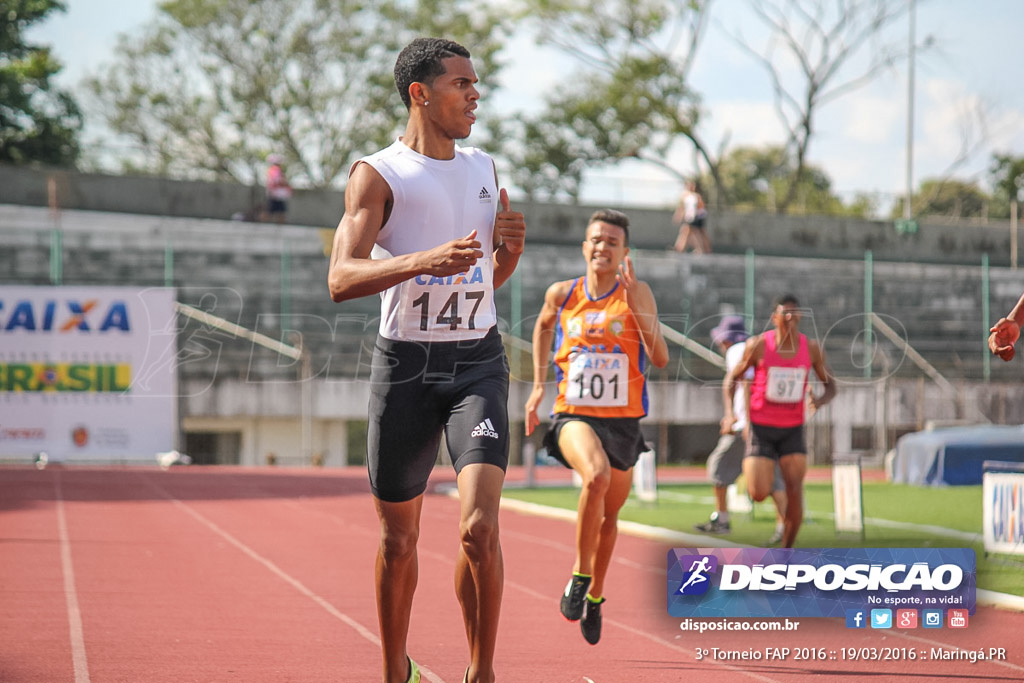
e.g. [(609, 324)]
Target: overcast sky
[(861, 138)]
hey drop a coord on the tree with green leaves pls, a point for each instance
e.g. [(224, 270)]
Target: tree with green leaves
[(811, 55), (212, 87), (38, 123), (630, 98), (756, 177), (1007, 175), (947, 198)]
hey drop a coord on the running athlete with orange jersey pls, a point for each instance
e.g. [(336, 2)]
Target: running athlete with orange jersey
[(605, 329), (782, 359)]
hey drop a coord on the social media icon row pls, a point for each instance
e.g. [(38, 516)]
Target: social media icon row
[(906, 618)]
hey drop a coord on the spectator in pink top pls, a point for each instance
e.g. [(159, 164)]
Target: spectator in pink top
[(782, 359), (278, 190)]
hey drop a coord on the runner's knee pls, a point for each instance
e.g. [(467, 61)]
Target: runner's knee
[(756, 495), (758, 491), (398, 545), (597, 479), (479, 535)]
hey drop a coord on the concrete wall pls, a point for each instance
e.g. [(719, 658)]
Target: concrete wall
[(155, 196), (865, 417), (273, 279), (810, 236)]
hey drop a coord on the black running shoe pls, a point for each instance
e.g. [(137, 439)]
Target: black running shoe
[(574, 596), (590, 625)]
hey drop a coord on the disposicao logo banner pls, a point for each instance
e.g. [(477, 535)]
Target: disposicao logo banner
[(817, 582)]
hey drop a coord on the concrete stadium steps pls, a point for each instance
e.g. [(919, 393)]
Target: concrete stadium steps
[(269, 277)]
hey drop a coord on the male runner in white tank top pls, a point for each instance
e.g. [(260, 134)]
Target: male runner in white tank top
[(423, 228)]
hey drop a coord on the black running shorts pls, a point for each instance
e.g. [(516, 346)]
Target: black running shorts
[(725, 463), (420, 391), (775, 442), (620, 437)]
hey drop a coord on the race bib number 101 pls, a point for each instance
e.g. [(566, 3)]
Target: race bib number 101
[(598, 379)]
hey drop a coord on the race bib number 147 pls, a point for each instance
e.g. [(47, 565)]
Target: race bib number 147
[(453, 307)]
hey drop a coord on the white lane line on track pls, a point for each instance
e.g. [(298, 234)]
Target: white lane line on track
[(564, 547), (652, 533), (79, 661), (965, 536), (571, 516), (546, 599), (686, 540), (657, 533), (629, 527), (284, 576)]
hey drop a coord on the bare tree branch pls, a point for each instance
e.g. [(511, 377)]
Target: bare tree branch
[(823, 40)]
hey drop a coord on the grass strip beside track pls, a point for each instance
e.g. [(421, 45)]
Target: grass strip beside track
[(895, 516)]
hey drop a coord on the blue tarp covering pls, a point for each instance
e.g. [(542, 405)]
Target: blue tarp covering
[(954, 456)]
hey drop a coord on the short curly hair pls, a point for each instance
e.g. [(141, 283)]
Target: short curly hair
[(421, 62), (612, 217)]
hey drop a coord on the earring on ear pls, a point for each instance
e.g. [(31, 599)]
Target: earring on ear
[(426, 102)]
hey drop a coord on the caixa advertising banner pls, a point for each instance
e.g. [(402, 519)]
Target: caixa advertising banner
[(87, 373), (818, 582)]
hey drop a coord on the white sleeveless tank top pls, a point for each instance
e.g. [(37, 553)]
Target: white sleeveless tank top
[(436, 201)]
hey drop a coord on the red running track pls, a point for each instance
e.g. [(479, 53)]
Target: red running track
[(266, 576)]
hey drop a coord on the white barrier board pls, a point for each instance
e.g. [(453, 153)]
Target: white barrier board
[(87, 373), (846, 496), (645, 477), (1002, 486)]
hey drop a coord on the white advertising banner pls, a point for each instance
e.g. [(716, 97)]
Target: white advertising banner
[(846, 495), (1002, 486), (87, 373)]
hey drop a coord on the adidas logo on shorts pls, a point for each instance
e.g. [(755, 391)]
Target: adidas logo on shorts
[(485, 428)]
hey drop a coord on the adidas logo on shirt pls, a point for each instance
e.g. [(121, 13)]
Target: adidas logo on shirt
[(484, 194), (485, 428)]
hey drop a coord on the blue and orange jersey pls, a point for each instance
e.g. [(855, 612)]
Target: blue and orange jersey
[(599, 356)]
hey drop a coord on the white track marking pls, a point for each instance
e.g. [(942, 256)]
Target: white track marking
[(528, 508), (966, 536), (543, 597), (79, 660), (985, 597), (686, 540), (287, 578)]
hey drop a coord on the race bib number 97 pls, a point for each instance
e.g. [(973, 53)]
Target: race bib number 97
[(785, 385), (598, 379), (450, 307)]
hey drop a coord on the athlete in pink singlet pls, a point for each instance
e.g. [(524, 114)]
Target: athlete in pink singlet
[(782, 359)]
